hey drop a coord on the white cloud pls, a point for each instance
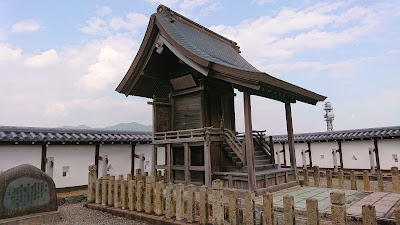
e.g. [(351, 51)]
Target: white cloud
[(191, 4), (113, 60), (211, 8), (107, 26), (26, 26), (48, 57), (8, 53), (104, 10), (293, 30), (168, 3), (56, 109)]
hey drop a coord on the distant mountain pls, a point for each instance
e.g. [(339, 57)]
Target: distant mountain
[(121, 126), (130, 127), (77, 127)]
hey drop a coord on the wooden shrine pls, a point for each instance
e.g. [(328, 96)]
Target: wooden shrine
[(191, 72)]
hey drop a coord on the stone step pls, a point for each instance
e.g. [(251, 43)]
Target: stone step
[(261, 157), (265, 167), (261, 162)]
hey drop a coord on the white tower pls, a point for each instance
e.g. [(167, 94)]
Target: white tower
[(329, 116)]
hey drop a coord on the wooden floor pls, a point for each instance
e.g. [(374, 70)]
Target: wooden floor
[(384, 202)]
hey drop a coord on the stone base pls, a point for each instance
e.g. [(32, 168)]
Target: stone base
[(137, 216), (32, 219)]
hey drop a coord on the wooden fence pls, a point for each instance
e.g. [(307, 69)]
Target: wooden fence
[(195, 205), (394, 182)]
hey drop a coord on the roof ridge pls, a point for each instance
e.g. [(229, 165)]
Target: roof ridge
[(69, 130), (342, 131), (166, 10)]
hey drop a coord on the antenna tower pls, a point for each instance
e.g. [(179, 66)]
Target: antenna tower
[(329, 116)]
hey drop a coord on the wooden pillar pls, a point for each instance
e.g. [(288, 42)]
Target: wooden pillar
[(187, 163), (96, 158), (289, 124), (272, 150), (251, 173), (133, 145), (340, 153), (154, 160), (309, 153), (43, 160), (169, 163), (207, 161), (378, 164), (284, 153)]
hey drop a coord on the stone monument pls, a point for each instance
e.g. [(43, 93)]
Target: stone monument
[(26, 190)]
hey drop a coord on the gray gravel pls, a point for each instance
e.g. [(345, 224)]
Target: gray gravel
[(77, 214)]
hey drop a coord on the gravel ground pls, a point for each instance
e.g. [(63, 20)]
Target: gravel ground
[(78, 215), (388, 186)]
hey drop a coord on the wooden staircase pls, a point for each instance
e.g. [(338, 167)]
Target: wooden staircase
[(234, 150)]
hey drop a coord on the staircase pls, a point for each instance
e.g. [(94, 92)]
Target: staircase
[(234, 149)]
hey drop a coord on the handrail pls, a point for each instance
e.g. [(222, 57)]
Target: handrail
[(190, 133), (262, 144), (235, 144)]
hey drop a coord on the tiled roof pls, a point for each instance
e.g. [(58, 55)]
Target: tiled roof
[(204, 45), (379, 132), (36, 134)]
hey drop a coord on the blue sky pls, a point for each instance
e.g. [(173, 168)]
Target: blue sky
[(60, 61)]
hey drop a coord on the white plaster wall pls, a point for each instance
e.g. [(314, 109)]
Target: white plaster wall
[(359, 149), (77, 157), (321, 153), (14, 155), (388, 147), (299, 160), (119, 159), (146, 150)]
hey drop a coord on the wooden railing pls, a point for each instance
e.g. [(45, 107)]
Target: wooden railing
[(235, 145), (190, 135), (259, 140)]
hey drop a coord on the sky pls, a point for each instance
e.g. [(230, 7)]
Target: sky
[(60, 61)]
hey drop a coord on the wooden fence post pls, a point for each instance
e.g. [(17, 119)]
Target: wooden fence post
[(353, 180), (218, 205), (397, 215), (132, 195), (139, 196), (148, 199), (233, 207), (191, 203), (169, 201), (341, 179), (316, 176), (124, 194), (98, 191), (367, 186), (249, 210), (139, 175), (179, 202), (104, 192), (92, 183), (312, 211), (369, 215), (159, 199), (288, 210), (203, 207), (329, 183), (395, 179), (379, 176), (305, 176), (338, 208), (268, 207), (111, 181)]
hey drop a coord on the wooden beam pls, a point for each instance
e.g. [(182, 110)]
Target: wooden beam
[(289, 124), (43, 160), (207, 161), (378, 163), (340, 154), (271, 148), (154, 159), (284, 153), (169, 163), (309, 153), (187, 163), (251, 172), (96, 158), (133, 146)]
